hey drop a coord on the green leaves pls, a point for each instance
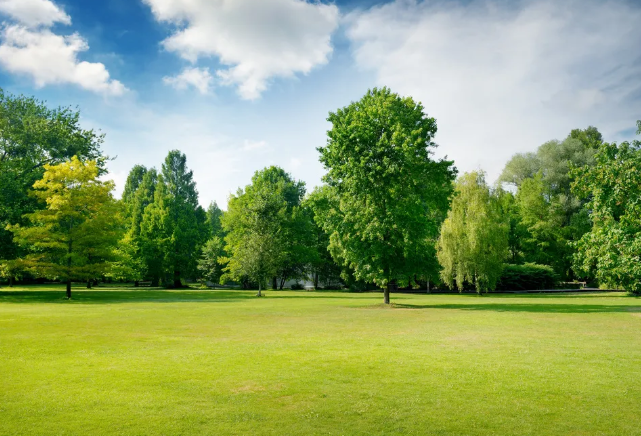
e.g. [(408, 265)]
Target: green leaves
[(474, 238), (389, 195), (74, 236), (31, 136), (611, 250), (268, 235)]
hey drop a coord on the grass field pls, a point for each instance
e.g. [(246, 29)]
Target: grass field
[(142, 362)]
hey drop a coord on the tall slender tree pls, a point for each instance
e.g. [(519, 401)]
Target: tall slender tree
[(174, 224), (474, 238)]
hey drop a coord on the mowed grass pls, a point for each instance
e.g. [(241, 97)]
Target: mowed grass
[(147, 361)]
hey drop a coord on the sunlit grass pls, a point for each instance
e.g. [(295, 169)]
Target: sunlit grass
[(148, 361)]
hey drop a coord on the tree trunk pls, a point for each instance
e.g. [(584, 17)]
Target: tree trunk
[(177, 283), (274, 283), (69, 289), (88, 284), (282, 283), (428, 286), (315, 281), (259, 289), (11, 281), (386, 293)]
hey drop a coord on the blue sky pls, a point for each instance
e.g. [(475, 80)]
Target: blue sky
[(239, 85)]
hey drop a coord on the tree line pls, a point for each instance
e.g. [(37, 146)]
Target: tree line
[(388, 213)]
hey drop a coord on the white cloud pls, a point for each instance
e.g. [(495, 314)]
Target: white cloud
[(295, 163), (254, 145), (257, 39), (34, 13), (199, 78), (504, 77), (53, 59)]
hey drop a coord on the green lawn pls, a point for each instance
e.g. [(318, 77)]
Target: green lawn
[(144, 362)]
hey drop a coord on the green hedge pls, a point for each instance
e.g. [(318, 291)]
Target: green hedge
[(527, 277)]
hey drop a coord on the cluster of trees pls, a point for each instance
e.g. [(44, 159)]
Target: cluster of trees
[(389, 214)]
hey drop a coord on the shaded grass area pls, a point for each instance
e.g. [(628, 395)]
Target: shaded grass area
[(151, 361)]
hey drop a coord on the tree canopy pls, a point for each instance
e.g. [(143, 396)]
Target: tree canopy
[(474, 238), (73, 237), (32, 136), (391, 194), (611, 250)]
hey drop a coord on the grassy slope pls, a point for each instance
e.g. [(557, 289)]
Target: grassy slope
[(223, 362)]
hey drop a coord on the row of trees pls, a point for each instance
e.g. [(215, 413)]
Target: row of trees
[(388, 214)]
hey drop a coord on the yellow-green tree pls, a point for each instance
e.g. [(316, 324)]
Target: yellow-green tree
[(73, 237), (474, 237)]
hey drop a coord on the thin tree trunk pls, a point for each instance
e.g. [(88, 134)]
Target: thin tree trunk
[(69, 270), (428, 286), (177, 283), (274, 283), (11, 281), (282, 283), (386, 293), (259, 289), (316, 281)]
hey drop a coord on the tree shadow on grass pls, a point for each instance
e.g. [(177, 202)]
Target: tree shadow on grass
[(525, 307), (111, 296), (123, 296)]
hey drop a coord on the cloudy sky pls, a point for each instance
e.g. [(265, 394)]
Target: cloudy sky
[(241, 84)]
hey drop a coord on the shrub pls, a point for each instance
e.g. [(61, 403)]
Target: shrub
[(527, 277), (297, 287)]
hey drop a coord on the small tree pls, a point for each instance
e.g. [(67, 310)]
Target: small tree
[(209, 263), (254, 236), (474, 237), (74, 236)]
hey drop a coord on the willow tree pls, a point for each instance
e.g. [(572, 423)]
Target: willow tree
[(74, 236), (391, 193), (474, 237)]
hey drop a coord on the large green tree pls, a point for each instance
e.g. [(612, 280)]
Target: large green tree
[(611, 250), (74, 236), (31, 136), (474, 238), (391, 193)]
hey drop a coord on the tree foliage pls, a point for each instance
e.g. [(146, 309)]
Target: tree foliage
[(551, 216), (611, 250), (32, 136), (391, 194), (74, 236), (474, 238), (255, 224), (173, 227)]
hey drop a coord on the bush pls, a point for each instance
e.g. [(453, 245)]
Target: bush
[(297, 287), (527, 277)]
